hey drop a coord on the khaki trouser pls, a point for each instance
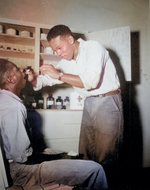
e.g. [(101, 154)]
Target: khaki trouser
[(101, 133), (88, 174)]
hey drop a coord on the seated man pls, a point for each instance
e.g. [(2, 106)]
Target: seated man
[(16, 140)]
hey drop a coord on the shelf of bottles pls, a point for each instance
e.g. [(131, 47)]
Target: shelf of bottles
[(35, 100)]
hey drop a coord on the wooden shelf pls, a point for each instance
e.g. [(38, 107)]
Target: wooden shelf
[(18, 26), (4, 38), (44, 43), (49, 57), (15, 54)]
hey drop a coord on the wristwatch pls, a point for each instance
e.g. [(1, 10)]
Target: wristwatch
[(60, 75)]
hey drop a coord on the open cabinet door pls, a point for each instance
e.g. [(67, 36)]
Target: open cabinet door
[(117, 42)]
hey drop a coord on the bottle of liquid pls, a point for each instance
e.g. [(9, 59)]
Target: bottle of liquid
[(66, 104), (50, 101), (40, 101), (33, 104), (59, 103), (22, 98), (27, 70)]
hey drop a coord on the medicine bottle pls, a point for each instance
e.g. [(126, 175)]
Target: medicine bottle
[(40, 101), (59, 103), (66, 103), (50, 101)]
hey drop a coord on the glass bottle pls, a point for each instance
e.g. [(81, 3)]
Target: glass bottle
[(27, 70), (22, 98), (59, 103), (33, 104), (50, 101), (40, 101), (66, 104)]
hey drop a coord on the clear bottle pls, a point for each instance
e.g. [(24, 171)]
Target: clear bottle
[(59, 103), (50, 101), (40, 101), (66, 104)]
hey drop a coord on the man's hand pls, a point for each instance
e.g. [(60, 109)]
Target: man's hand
[(50, 70), (32, 77)]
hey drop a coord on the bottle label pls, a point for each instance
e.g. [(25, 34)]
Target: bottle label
[(66, 103), (50, 102), (58, 103), (34, 104), (40, 101)]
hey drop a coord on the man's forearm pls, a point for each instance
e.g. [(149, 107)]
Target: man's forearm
[(73, 80)]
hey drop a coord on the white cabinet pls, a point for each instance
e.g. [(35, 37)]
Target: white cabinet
[(61, 129)]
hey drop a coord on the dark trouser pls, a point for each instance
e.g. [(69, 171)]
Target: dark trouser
[(101, 133)]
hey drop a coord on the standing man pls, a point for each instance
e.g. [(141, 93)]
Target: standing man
[(86, 66)]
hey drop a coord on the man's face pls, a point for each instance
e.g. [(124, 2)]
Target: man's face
[(63, 46), (19, 77)]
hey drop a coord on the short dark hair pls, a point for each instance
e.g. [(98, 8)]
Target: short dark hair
[(59, 30), (5, 67)]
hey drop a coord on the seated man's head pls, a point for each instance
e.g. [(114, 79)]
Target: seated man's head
[(11, 77)]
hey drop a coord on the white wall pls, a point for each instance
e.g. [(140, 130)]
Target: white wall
[(94, 15)]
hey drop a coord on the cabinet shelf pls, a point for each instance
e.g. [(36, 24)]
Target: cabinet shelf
[(4, 38), (44, 43), (15, 54), (49, 57)]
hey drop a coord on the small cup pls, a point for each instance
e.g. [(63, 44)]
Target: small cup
[(43, 36)]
